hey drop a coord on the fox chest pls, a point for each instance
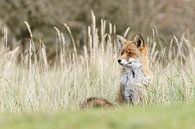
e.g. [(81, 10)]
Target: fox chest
[(133, 84), (133, 78)]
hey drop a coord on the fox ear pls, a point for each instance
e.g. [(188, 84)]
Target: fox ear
[(138, 39), (120, 41)]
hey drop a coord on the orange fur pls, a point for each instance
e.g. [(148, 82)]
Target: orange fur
[(145, 61), (96, 102)]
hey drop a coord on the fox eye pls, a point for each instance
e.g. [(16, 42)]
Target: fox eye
[(122, 52), (128, 52)]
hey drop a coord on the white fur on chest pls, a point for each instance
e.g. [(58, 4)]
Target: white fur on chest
[(133, 81), (131, 77)]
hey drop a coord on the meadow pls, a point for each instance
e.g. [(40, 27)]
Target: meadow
[(34, 85), (171, 117)]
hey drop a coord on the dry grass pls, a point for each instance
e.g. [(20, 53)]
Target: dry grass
[(35, 86)]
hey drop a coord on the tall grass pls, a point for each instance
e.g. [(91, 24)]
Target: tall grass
[(35, 86)]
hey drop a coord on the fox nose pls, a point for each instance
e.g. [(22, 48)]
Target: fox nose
[(119, 61)]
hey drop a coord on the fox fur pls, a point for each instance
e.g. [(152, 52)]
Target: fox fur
[(96, 102)]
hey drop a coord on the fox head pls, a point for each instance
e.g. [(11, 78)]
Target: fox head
[(131, 51)]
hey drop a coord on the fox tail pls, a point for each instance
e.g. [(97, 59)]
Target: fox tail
[(94, 102)]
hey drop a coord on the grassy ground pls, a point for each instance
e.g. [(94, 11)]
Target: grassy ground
[(32, 85), (171, 117)]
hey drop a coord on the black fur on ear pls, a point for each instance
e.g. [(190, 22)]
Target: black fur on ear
[(138, 39), (120, 40)]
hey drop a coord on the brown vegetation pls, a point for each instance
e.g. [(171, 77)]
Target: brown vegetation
[(171, 17)]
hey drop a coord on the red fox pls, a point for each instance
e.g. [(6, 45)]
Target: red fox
[(135, 70), (135, 73)]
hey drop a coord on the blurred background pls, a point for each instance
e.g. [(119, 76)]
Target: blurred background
[(170, 17)]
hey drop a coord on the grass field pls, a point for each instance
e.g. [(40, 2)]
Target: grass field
[(170, 117), (32, 85), (35, 94)]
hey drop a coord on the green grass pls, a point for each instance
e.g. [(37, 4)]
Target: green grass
[(171, 117)]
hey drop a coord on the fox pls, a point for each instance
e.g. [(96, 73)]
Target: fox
[(135, 73)]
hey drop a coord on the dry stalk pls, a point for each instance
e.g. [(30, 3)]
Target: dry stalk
[(43, 55), (71, 36)]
